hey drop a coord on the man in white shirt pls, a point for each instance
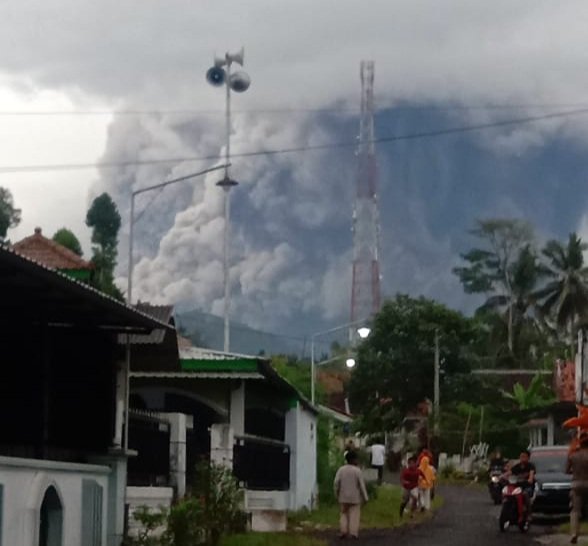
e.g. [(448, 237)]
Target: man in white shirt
[(378, 458)]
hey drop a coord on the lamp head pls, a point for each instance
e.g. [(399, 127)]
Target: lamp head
[(364, 332), (350, 363)]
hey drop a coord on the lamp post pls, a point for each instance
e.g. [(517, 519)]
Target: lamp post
[(239, 82), (363, 333), (133, 220)]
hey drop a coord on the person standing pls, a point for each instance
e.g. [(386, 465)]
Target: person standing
[(350, 492), (426, 483), (378, 458), (578, 468), (409, 478)]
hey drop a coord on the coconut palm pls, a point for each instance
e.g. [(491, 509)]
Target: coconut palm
[(565, 297)]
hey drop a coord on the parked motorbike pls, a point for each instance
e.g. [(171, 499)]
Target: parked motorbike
[(514, 510), (495, 484)]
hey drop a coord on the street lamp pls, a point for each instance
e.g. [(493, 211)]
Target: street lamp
[(350, 363), (363, 332), (239, 81), (133, 220)]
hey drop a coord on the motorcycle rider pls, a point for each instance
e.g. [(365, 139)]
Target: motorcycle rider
[(525, 471), (497, 461)]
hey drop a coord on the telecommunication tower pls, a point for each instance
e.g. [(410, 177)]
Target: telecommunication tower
[(365, 290)]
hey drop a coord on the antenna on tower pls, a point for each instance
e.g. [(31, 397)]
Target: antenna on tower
[(365, 288)]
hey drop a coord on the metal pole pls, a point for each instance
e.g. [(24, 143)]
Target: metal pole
[(227, 228), (312, 386), (130, 267), (436, 394)]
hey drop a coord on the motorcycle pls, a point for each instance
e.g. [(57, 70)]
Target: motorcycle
[(495, 484), (514, 510)]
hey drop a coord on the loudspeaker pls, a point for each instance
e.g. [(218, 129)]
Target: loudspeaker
[(239, 81), (216, 76)]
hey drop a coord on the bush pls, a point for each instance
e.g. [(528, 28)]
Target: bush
[(184, 523), (150, 522), (447, 471)]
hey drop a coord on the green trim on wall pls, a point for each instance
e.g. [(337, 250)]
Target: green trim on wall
[(206, 365)]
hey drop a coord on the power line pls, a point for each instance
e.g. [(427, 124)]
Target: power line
[(298, 149), (342, 109)]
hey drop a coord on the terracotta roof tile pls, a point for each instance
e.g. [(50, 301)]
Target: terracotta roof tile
[(45, 251)]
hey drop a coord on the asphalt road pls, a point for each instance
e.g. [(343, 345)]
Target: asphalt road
[(467, 518)]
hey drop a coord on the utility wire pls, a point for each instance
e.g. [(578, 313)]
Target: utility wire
[(190, 112), (300, 149)]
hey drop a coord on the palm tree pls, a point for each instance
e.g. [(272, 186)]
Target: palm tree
[(523, 276), (565, 297)]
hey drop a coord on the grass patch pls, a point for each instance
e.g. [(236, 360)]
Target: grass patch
[(378, 513), (272, 539)]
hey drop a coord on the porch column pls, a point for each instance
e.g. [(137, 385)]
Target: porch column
[(237, 413), (119, 414), (550, 430), (177, 453)]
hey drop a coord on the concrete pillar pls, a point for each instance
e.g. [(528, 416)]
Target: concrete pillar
[(119, 414), (291, 438), (550, 430), (237, 413), (177, 453), (222, 440), (117, 483)]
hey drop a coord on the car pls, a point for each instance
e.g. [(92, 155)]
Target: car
[(553, 485)]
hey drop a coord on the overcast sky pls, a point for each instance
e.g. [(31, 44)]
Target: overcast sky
[(292, 213)]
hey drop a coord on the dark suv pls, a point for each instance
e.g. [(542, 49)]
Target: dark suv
[(553, 485)]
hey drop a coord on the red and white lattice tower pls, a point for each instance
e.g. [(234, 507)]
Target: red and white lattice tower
[(365, 290)]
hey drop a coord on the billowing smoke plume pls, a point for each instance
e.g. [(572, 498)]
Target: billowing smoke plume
[(290, 218)]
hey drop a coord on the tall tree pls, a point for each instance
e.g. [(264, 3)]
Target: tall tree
[(565, 297), (104, 219), (66, 238), (504, 268), (9, 215), (395, 367)]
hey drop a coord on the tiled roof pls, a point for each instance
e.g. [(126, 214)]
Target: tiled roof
[(84, 294), (45, 251)]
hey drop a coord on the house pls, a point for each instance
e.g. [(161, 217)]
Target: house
[(545, 428), (51, 254), (63, 457), (235, 410)]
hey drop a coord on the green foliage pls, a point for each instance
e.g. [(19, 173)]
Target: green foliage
[(328, 461), (185, 523), (221, 501), (66, 238), (9, 216), (297, 372), (272, 539), (104, 219), (565, 297), (537, 395), (151, 521), (395, 364), (505, 268)]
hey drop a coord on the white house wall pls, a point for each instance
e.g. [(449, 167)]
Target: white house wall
[(301, 436), (25, 482)]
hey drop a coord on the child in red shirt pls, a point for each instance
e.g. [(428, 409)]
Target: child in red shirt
[(409, 478)]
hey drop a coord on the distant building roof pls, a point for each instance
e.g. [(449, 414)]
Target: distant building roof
[(45, 251), (161, 313)]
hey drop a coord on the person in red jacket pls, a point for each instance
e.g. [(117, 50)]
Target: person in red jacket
[(409, 478)]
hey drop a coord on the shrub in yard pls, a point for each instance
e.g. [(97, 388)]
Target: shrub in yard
[(447, 471), (185, 524), (221, 501), (150, 522)]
